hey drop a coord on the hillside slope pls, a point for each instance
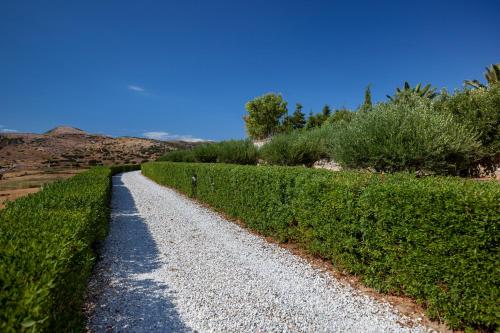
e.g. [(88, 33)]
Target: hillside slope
[(68, 147)]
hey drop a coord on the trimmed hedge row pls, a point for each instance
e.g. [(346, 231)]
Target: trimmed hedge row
[(46, 252), (434, 239)]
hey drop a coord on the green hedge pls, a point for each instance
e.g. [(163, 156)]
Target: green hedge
[(46, 252), (434, 239)]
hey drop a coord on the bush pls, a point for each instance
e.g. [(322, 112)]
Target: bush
[(236, 152), (434, 239), (178, 156), (404, 135), (233, 152), (341, 115), (300, 147), (206, 153), (480, 110), (46, 251)]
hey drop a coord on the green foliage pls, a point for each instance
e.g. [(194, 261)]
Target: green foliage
[(404, 135), (286, 126), (314, 120), (325, 113), (298, 119), (181, 155), (367, 104), (46, 253), (264, 115), (295, 121), (342, 115), (492, 76), (296, 148), (233, 151), (317, 120), (480, 110), (434, 239), (408, 91), (236, 152), (206, 153)]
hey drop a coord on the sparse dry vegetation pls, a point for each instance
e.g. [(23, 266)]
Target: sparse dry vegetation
[(69, 148)]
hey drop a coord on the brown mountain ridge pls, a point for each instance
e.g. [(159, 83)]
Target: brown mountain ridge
[(69, 147), (59, 130)]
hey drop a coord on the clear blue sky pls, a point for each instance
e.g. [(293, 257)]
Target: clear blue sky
[(187, 67)]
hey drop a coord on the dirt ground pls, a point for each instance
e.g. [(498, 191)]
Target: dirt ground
[(10, 195), (17, 184)]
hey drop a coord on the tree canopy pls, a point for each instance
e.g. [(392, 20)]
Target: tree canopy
[(264, 115)]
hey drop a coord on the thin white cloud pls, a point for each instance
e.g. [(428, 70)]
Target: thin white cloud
[(136, 88), (7, 130), (165, 136), (156, 135)]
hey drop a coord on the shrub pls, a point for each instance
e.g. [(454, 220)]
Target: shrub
[(439, 245), (206, 153), (46, 242), (278, 150), (343, 115), (300, 147), (236, 152), (233, 152), (480, 110), (404, 135), (434, 239), (178, 156)]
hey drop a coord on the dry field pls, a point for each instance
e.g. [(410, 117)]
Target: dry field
[(16, 184)]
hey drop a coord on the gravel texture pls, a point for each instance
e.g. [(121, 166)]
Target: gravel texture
[(170, 265)]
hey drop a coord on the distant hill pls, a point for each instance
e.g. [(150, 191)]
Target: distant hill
[(65, 130), (68, 147)]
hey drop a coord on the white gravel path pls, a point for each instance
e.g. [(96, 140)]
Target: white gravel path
[(170, 265)]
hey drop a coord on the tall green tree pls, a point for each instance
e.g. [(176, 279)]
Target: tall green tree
[(286, 125), (367, 104), (314, 120), (265, 115), (298, 118), (326, 112), (368, 96)]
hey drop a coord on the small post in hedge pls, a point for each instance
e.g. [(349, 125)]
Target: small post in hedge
[(194, 181)]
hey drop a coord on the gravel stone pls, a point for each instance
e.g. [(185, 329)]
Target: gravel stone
[(171, 265)]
